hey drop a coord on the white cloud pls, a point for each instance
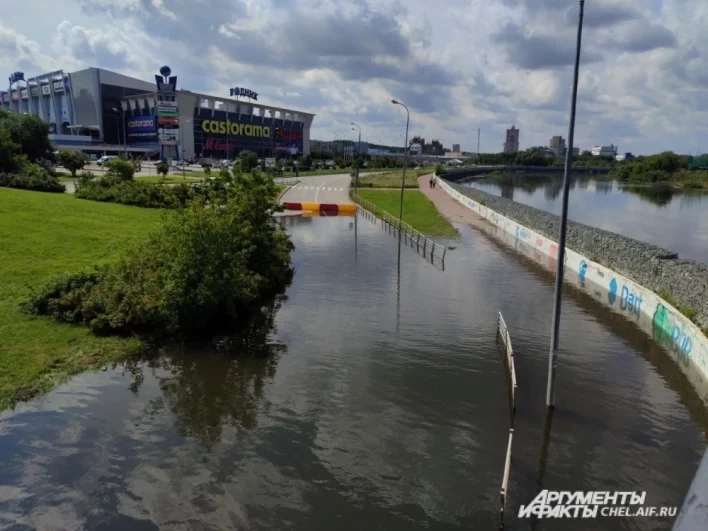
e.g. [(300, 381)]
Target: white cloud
[(464, 65)]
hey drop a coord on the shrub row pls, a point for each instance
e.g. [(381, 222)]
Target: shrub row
[(32, 177), (203, 273), (128, 192)]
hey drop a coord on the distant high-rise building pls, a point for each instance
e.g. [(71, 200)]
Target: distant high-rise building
[(557, 146), (456, 148), (605, 151), (512, 140), (434, 148)]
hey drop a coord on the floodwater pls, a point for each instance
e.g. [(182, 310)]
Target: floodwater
[(375, 398), (674, 220)]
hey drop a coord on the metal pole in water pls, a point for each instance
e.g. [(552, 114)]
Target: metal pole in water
[(405, 155), (552, 361)]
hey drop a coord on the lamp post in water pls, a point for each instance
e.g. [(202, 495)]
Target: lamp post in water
[(356, 185), (405, 156), (552, 361)]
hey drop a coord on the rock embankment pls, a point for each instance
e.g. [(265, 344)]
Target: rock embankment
[(653, 267)]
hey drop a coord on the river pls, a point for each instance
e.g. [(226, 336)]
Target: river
[(671, 219), (376, 399)]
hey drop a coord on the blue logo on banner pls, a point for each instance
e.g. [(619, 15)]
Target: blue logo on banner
[(612, 295), (581, 274)]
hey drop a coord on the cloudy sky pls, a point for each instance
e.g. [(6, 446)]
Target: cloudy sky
[(458, 64)]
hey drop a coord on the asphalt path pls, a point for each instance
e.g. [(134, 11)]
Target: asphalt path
[(320, 189)]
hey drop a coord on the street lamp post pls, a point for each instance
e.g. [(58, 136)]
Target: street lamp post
[(552, 360), (405, 155), (181, 143), (356, 185), (125, 144)]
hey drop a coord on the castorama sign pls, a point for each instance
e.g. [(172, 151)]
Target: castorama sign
[(141, 129)]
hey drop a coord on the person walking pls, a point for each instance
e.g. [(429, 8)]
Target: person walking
[(430, 184)]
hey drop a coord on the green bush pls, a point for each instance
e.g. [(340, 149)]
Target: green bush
[(162, 168), (29, 132), (115, 190), (249, 160), (205, 272), (9, 161), (122, 169), (32, 177), (440, 170), (72, 160)]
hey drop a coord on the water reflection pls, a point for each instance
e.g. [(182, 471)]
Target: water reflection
[(211, 387), (357, 426), (660, 215), (660, 195)]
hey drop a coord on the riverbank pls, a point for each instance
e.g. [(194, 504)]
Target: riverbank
[(418, 210), (661, 303), (392, 179), (653, 267), (45, 235)]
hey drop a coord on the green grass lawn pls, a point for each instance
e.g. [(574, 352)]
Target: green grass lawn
[(418, 210), (392, 179), (45, 234)]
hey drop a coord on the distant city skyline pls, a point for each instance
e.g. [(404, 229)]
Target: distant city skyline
[(642, 70)]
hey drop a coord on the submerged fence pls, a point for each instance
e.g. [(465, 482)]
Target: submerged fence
[(414, 238), (504, 340)]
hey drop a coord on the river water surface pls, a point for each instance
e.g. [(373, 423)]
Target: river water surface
[(377, 400), (671, 219)]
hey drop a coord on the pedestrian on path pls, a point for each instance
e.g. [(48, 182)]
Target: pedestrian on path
[(430, 184)]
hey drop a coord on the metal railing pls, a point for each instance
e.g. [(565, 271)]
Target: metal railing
[(505, 479), (503, 335), (288, 181), (505, 338), (416, 239)]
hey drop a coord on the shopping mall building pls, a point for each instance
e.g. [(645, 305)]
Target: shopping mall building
[(103, 112)]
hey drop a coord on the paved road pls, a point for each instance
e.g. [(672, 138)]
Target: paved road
[(320, 189)]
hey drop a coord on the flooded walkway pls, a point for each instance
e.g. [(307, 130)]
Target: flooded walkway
[(375, 399)]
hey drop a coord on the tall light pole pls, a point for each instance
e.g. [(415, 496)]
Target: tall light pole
[(181, 143), (356, 186), (405, 155), (125, 144), (552, 361)]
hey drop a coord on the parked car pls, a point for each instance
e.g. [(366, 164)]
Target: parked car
[(105, 159), (179, 164)]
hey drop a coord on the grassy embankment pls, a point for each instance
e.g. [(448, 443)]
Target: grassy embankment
[(47, 234), (418, 210), (392, 179)]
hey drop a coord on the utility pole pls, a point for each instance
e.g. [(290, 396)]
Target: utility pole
[(552, 357), (479, 133), (356, 184), (405, 157)]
